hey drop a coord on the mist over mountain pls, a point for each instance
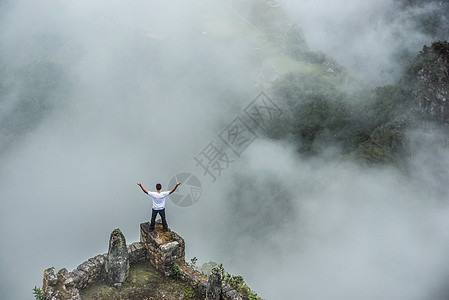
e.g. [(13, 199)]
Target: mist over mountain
[(375, 40), (342, 196)]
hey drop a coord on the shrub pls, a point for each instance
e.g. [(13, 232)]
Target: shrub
[(38, 294), (175, 272)]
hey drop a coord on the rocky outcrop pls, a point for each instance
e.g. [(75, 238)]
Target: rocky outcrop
[(429, 81), (419, 100), (117, 261), (49, 282), (200, 282), (164, 250), (68, 284), (54, 287), (213, 290)]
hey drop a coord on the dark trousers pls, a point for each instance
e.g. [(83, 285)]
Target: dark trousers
[(154, 213)]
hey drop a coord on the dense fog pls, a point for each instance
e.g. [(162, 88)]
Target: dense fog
[(373, 39), (142, 87)]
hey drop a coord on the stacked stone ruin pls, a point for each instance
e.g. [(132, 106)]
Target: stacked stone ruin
[(165, 251)]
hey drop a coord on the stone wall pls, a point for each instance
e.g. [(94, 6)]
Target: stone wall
[(199, 282), (167, 249), (164, 250), (66, 285)]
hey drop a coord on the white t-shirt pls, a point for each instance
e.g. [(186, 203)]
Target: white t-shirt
[(158, 199)]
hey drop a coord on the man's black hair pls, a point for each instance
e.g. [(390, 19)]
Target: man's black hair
[(158, 186)]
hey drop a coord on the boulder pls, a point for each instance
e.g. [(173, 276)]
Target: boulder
[(213, 289), (117, 262), (50, 276)]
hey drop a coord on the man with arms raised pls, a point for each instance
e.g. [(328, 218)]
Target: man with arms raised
[(158, 203)]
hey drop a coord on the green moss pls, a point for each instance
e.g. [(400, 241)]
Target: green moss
[(143, 282), (175, 272), (285, 64), (238, 283)]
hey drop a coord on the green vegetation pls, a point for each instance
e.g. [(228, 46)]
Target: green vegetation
[(235, 281), (192, 263), (38, 294), (319, 114), (189, 293), (143, 282), (441, 48), (238, 283), (175, 272), (366, 124)]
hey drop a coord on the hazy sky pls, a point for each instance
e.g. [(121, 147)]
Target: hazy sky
[(147, 85)]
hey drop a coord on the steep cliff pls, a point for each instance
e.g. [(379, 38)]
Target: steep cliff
[(428, 79), (420, 99), (367, 124), (153, 268)]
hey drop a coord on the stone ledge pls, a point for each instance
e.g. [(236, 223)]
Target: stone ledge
[(69, 283), (199, 281), (162, 249), (165, 249)]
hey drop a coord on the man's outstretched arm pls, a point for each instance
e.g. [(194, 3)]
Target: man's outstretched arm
[(143, 189), (174, 188)]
